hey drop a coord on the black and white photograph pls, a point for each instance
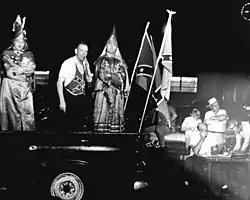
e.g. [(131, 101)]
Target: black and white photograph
[(125, 100)]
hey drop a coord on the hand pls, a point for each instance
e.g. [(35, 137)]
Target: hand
[(214, 118), (203, 134), (243, 150), (18, 71), (62, 106), (89, 84), (108, 75), (126, 94), (192, 129), (11, 73)]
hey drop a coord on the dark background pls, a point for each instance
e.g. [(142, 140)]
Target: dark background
[(208, 36)]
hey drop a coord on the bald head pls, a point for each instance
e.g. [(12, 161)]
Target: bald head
[(202, 127)]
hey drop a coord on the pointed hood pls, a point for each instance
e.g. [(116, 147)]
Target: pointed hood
[(19, 32), (18, 28), (113, 39)]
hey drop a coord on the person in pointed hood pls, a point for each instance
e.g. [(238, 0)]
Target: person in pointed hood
[(19, 41), (111, 86), (16, 98)]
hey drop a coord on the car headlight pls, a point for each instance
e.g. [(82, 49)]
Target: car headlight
[(138, 185)]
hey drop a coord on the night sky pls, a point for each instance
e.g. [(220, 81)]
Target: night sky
[(207, 36)]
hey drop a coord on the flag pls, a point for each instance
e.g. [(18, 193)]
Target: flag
[(146, 63), (143, 69), (165, 55), (141, 80), (146, 74), (157, 79), (166, 60)]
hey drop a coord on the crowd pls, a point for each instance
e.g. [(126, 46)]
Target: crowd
[(212, 134), (215, 135)]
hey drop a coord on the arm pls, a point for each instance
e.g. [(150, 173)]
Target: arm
[(27, 69), (187, 144), (9, 66), (215, 119), (221, 117), (197, 147), (118, 77), (238, 142), (103, 72), (210, 121), (10, 71), (174, 115), (60, 83), (30, 67), (184, 125), (13, 72), (88, 73), (190, 139), (245, 143)]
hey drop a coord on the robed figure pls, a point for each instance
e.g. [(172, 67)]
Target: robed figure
[(16, 99), (110, 88)]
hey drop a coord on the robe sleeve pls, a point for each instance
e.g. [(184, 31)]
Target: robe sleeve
[(31, 66), (104, 73), (118, 77), (9, 66)]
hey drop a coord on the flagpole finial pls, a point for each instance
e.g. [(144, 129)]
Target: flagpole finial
[(171, 12), (148, 23)]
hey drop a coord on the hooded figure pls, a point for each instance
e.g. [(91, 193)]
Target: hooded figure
[(16, 99), (110, 88)]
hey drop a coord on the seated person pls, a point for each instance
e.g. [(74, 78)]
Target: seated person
[(237, 141), (156, 126), (232, 127), (242, 139), (198, 147), (198, 143), (190, 124), (194, 164)]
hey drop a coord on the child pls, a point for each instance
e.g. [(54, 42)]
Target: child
[(190, 124)]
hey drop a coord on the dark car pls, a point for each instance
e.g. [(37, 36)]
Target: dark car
[(69, 165)]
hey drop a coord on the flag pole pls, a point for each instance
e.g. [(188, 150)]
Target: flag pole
[(149, 92), (156, 65), (137, 60)]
